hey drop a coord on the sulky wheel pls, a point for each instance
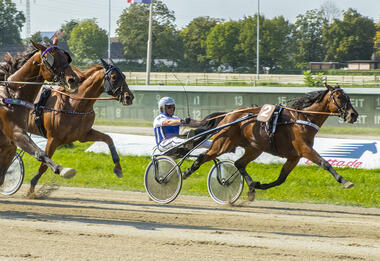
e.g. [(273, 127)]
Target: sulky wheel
[(14, 177), (224, 182), (163, 179)]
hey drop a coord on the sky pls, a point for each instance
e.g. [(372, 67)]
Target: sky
[(49, 15)]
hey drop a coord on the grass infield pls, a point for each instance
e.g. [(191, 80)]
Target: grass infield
[(305, 184)]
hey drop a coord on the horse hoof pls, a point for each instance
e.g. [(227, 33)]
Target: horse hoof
[(118, 172), (67, 173), (251, 195), (348, 185)]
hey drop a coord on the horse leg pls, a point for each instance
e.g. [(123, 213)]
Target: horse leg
[(7, 153), (218, 147), (94, 135), (289, 165), (313, 156), (250, 154), (50, 148), (23, 141)]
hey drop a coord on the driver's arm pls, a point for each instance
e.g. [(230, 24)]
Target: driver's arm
[(171, 122)]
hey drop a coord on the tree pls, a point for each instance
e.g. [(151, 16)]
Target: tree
[(88, 40), (330, 11), (351, 38), (377, 42), (194, 38), (132, 31), (307, 38), (223, 43), (11, 23), (67, 28), (274, 41)]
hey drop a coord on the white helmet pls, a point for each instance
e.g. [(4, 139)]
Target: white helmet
[(165, 101)]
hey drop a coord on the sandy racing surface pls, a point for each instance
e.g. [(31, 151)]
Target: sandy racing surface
[(92, 224)]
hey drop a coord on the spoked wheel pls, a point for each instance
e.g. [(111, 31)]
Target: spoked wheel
[(163, 179), (14, 177), (224, 182)]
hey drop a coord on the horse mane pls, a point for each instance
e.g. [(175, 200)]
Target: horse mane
[(83, 75), (11, 63), (307, 100)]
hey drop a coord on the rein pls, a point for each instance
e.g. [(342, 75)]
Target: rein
[(288, 108), (78, 98), (31, 107), (30, 83), (311, 112)]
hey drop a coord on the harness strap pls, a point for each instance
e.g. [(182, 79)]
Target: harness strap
[(308, 123), (39, 108), (18, 102)]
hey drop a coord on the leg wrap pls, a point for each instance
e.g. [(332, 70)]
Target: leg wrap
[(35, 179), (115, 156)]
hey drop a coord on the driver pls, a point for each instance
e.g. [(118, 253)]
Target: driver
[(166, 126)]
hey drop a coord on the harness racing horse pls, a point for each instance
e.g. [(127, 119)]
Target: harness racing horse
[(43, 64), (69, 118), (293, 138)]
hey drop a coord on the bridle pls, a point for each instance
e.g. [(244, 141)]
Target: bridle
[(48, 61), (108, 86), (342, 110)]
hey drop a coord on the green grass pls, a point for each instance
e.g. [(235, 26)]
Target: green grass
[(304, 184), (350, 130)]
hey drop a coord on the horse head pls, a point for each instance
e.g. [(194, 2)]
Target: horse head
[(115, 84), (339, 102), (55, 66)]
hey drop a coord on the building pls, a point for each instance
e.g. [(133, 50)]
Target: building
[(318, 66), (363, 64)]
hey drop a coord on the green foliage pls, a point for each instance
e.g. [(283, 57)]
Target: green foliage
[(67, 28), (194, 38), (275, 42), (88, 41), (307, 38), (350, 39), (11, 23), (133, 32), (223, 43), (313, 81)]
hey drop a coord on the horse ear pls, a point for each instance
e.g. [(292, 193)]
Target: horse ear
[(55, 40), (38, 46), (111, 62), (329, 87), (104, 63), (337, 86)]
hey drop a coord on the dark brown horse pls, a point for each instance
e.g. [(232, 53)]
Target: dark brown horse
[(293, 137), (45, 63), (69, 118)]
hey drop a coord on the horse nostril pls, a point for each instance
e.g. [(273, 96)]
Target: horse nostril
[(71, 80)]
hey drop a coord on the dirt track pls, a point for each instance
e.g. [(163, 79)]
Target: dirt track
[(91, 224)]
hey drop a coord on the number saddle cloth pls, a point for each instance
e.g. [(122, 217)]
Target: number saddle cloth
[(269, 115)]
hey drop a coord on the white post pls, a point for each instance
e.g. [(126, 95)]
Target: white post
[(109, 30), (258, 41), (149, 47)]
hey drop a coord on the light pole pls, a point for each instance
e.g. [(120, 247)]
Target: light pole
[(109, 30), (149, 47), (258, 41)]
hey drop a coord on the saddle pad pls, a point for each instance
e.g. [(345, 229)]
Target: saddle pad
[(266, 112)]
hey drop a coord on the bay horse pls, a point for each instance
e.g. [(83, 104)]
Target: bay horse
[(69, 118), (293, 138), (27, 73)]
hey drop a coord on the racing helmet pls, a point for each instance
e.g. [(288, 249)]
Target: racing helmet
[(165, 101)]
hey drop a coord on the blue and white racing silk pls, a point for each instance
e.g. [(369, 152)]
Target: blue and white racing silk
[(164, 132), (167, 136)]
